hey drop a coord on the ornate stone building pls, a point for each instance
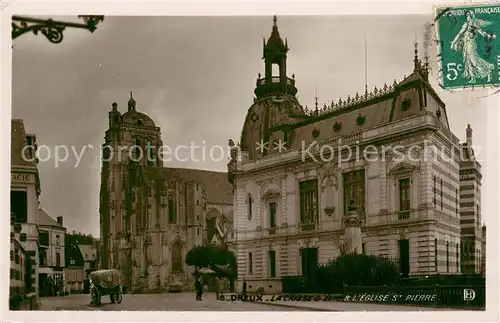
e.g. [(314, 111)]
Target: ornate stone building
[(389, 152), (150, 216)]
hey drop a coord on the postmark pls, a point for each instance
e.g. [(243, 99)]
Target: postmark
[(468, 42)]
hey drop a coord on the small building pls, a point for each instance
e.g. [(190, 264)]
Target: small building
[(51, 235), (74, 273)]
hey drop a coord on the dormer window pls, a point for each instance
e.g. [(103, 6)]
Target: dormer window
[(139, 122)]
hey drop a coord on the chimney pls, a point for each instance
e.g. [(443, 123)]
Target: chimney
[(60, 220), (468, 132)]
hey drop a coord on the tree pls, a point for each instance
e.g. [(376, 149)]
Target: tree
[(209, 255)]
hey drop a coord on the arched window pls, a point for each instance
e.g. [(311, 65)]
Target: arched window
[(177, 265), (150, 153), (249, 202), (137, 150)]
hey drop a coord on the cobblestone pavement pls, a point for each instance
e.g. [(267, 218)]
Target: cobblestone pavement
[(155, 302)]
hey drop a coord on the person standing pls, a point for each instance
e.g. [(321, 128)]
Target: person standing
[(197, 284), (200, 285), (244, 290), (217, 287)]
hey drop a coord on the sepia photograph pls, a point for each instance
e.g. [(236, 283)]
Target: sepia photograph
[(264, 163)]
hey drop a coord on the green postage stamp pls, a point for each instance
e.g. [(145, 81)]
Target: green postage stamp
[(469, 46)]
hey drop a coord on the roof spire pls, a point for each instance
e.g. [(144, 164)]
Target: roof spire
[(131, 103), (416, 61), (275, 22)]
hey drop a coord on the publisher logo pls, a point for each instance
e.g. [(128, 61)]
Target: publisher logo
[(469, 295)]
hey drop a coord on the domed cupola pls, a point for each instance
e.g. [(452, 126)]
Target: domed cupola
[(274, 52)]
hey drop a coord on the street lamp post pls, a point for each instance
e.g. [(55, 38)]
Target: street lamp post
[(51, 29)]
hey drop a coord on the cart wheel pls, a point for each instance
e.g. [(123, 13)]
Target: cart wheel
[(119, 295), (96, 296)]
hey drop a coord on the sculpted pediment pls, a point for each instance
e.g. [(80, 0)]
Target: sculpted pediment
[(403, 167), (270, 189)]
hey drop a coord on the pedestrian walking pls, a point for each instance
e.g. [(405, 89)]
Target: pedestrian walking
[(217, 288), (197, 287), (200, 286), (244, 290)]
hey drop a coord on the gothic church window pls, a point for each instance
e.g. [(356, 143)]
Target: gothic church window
[(171, 211), (177, 266)]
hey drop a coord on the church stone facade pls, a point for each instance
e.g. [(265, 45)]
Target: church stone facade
[(151, 215), (296, 172)]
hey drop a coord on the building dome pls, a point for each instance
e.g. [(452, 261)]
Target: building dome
[(137, 118)]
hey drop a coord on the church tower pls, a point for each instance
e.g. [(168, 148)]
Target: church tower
[(130, 148)]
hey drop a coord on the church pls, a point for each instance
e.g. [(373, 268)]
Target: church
[(388, 153), (151, 215)]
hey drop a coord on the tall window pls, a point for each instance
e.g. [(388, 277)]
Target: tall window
[(42, 256), (441, 194), (29, 151), (457, 256), (150, 156), (43, 238), (58, 259), (250, 263), (436, 254), (354, 189), (434, 189), (19, 205), (249, 202), (478, 214), (171, 211), (137, 150), (272, 263), (363, 247), (456, 201), (308, 203), (447, 256), (272, 215), (404, 198), (177, 266)]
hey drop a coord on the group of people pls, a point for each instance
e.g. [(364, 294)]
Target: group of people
[(199, 286)]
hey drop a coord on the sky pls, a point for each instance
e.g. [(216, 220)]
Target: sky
[(195, 76)]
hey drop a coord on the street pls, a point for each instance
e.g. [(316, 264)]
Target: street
[(154, 302)]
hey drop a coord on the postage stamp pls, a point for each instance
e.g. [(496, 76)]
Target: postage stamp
[(469, 45)]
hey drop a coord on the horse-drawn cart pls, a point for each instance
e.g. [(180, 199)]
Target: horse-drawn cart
[(106, 282)]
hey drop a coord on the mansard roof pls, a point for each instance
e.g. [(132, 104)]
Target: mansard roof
[(367, 110)]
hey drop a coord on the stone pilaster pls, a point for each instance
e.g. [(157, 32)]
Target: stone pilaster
[(352, 225)]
